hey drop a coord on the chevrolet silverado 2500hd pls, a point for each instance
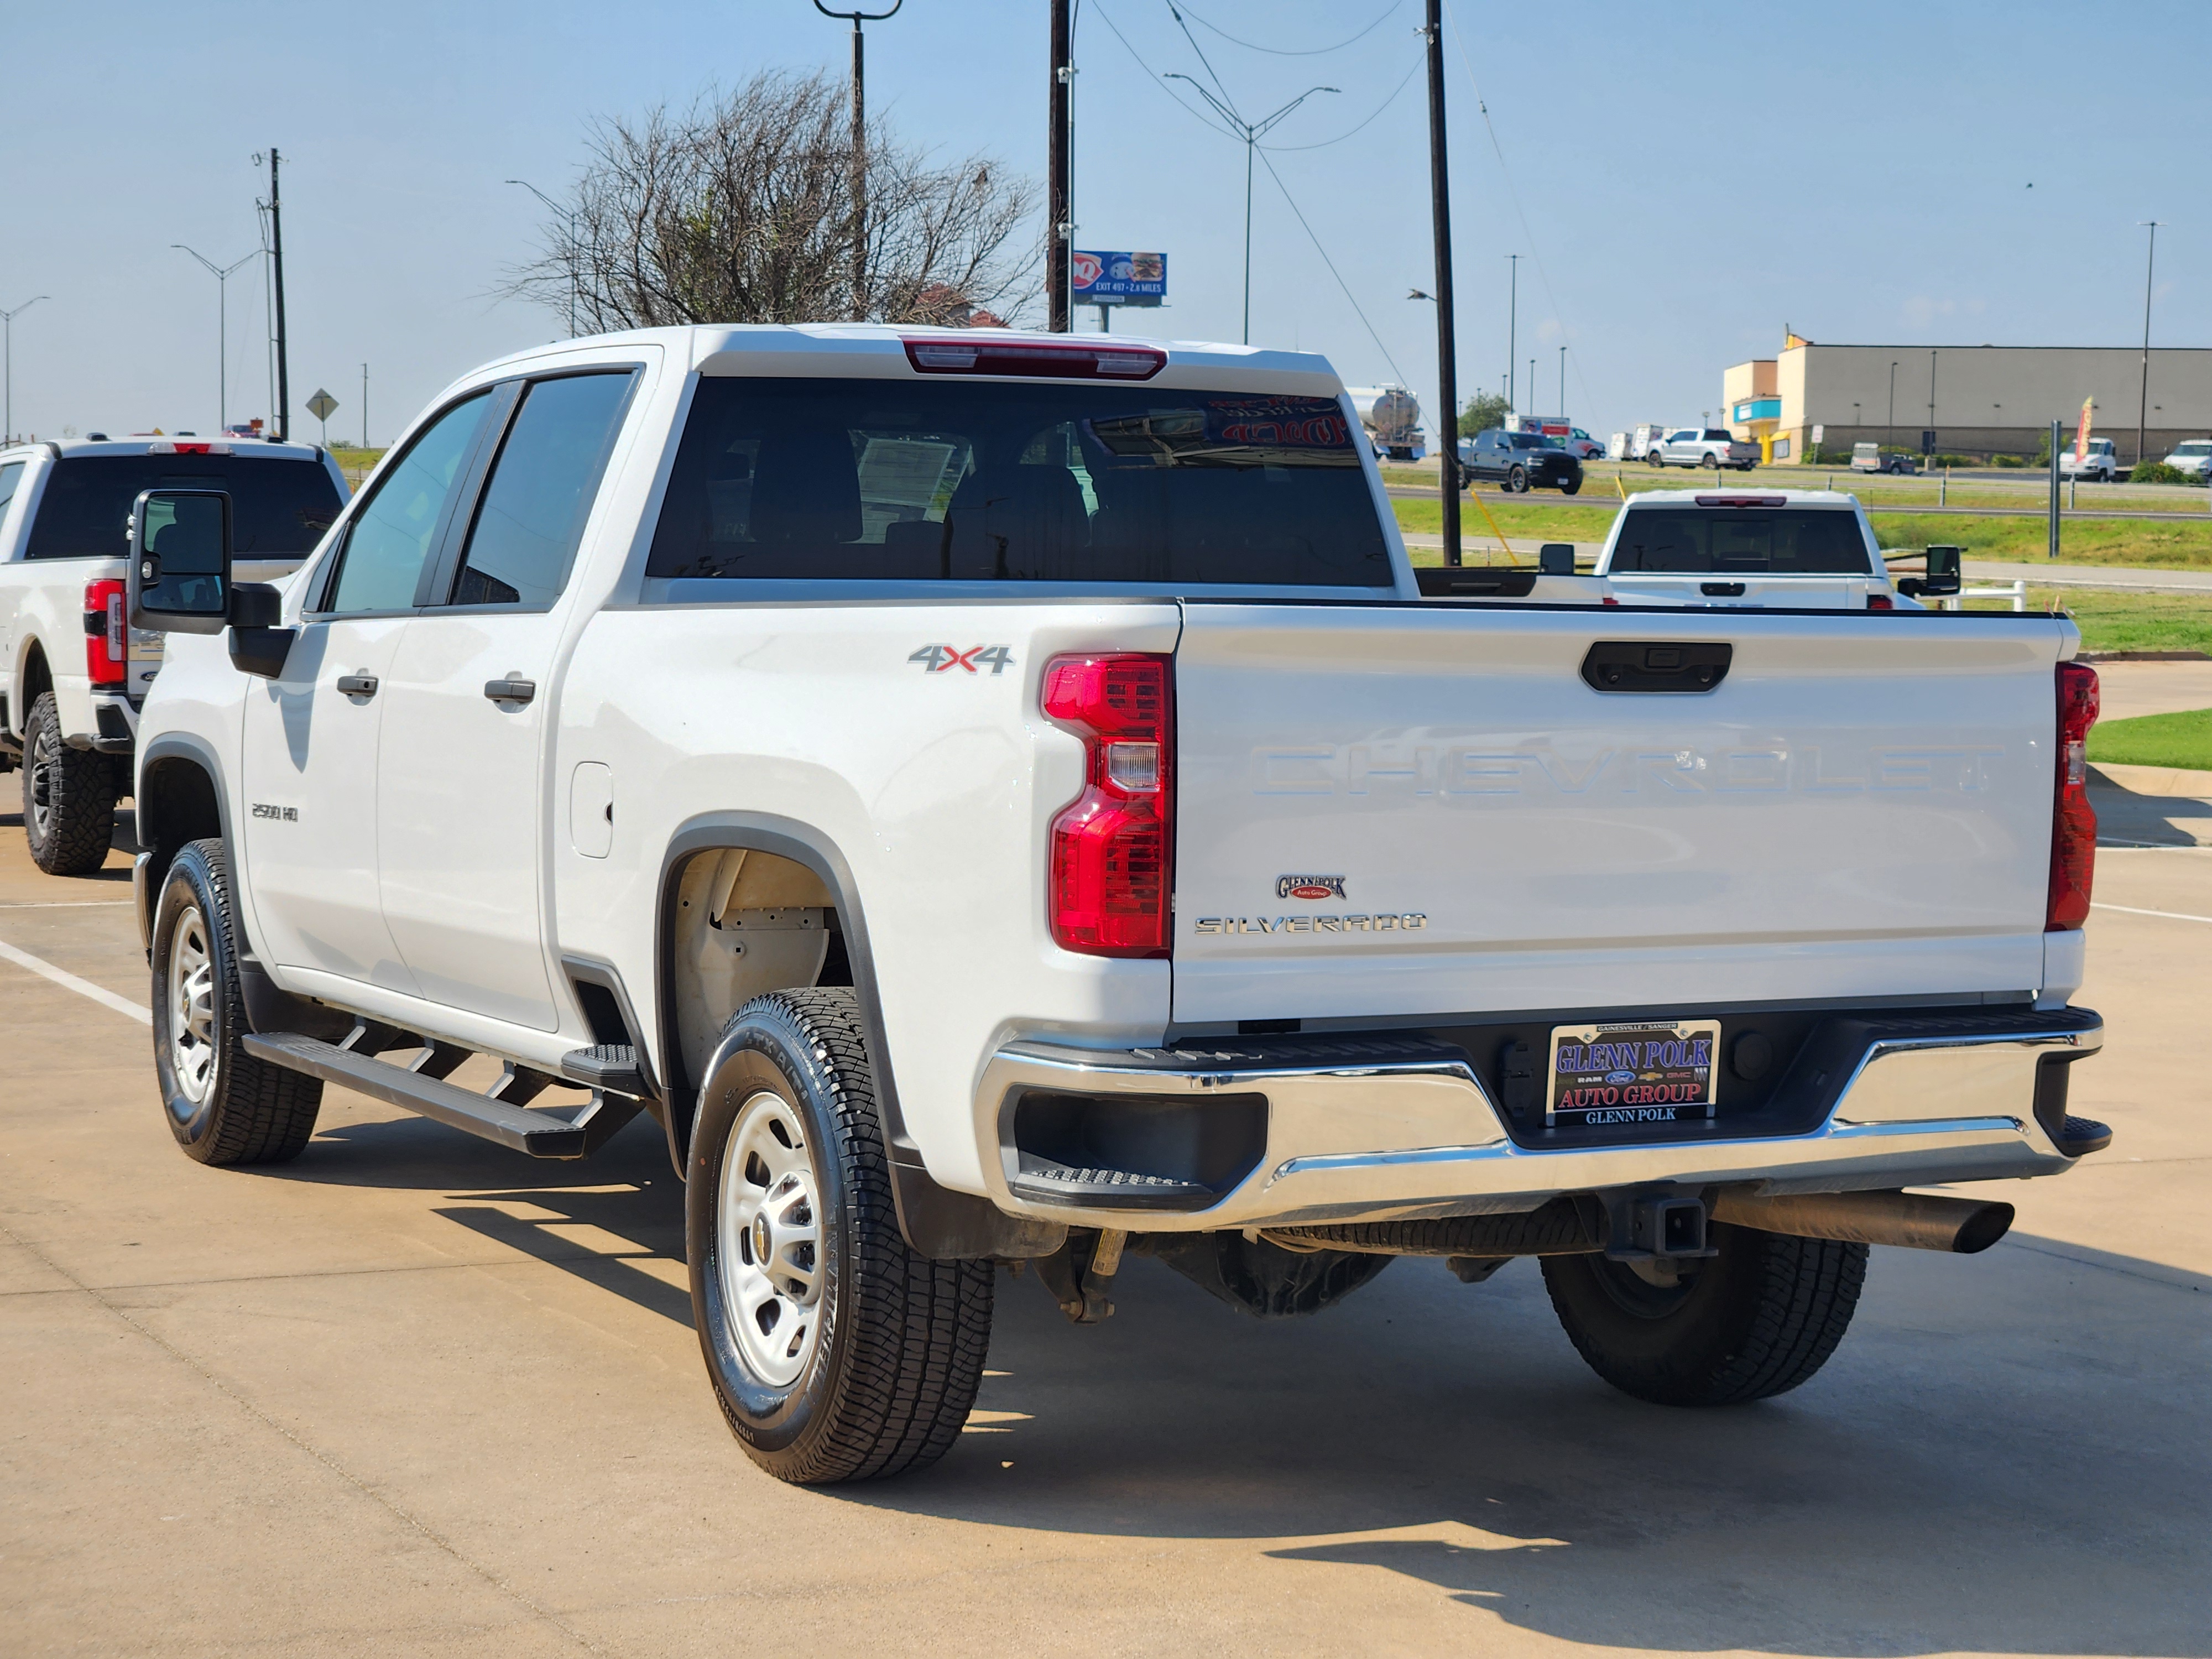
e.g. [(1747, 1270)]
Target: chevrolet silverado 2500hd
[(75, 677), (994, 798)]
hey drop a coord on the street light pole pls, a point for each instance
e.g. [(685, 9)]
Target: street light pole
[(569, 214), (859, 186), (7, 328), (1447, 335), (221, 275), (2143, 408), (1563, 383), (1512, 319), (1893, 405), (1252, 132)]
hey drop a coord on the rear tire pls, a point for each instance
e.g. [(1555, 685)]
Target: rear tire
[(1754, 1321), (68, 796), (222, 1105), (836, 1352), (1516, 482)]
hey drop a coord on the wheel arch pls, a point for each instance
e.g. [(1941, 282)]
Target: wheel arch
[(33, 676), (180, 797), (937, 1222)]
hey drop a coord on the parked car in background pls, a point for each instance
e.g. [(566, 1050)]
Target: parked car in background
[(2099, 462), (1869, 457), (1712, 445), (74, 676), (1584, 448), (1636, 445), (1520, 461), (2194, 458)]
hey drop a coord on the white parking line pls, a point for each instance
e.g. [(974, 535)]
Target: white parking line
[(62, 904), (2170, 915), (69, 982)]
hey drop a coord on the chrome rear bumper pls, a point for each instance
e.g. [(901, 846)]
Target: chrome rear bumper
[(1372, 1134)]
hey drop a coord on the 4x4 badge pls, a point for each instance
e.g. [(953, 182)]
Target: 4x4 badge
[(1310, 887), (944, 658)]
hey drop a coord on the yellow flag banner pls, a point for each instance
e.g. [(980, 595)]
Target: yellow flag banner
[(2081, 432)]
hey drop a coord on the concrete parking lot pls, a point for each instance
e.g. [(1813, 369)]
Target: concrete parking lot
[(415, 1394)]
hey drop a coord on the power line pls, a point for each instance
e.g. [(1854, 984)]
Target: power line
[(1333, 271), (1341, 136), (1198, 115), (1310, 51), (1459, 39)]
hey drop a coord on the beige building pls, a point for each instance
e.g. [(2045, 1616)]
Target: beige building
[(1978, 400)]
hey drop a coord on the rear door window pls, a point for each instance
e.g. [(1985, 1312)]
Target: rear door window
[(818, 479), (532, 516), (1778, 541)]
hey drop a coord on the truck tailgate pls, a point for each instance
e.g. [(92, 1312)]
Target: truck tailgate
[(1387, 809)]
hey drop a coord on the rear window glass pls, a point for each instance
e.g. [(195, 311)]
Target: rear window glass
[(893, 481), (278, 508), (1808, 541)]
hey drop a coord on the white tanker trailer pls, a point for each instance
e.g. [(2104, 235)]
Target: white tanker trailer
[(1392, 417)]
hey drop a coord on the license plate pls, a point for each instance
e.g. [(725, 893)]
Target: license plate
[(1632, 1073)]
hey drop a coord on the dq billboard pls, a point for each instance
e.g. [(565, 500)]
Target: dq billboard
[(1119, 279)]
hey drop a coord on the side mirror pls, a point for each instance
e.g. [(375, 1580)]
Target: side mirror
[(1943, 570), (179, 576), (1556, 559)]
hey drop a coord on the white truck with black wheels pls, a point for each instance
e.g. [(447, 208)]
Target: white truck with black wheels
[(74, 676), (994, 798)]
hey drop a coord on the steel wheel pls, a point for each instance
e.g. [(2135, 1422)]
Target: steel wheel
[(192, 1007), (770, 1222)]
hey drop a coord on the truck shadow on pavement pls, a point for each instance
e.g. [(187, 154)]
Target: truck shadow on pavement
[(2008, 1453)]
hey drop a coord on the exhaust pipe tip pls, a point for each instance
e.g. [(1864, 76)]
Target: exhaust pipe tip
[(1988, 1224)]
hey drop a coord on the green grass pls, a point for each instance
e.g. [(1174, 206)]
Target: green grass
[(2185, 544), (354, 462), (2155, 740), (2124, 622)]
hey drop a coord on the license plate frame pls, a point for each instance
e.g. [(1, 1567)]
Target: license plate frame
[(1626, 1075)]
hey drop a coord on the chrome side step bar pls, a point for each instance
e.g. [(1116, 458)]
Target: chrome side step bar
[(538, 1135)]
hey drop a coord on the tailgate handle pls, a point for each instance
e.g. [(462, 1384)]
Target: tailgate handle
[(1655, 665), (1721, 590)]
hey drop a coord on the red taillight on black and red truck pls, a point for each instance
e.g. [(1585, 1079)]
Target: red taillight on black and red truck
[(107, 645), (2073, 820), (1112, 885)]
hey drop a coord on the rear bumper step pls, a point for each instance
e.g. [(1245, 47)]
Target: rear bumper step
[(538, 1134)]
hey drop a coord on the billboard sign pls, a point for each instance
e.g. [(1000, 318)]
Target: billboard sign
[(1119, 279)]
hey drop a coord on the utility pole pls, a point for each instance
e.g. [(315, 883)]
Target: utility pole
[(574, 275), (277, 264), (1447, 345), (2143, 408), (364, 405), (1512, 319), (1059, 180), (1251, 132), (221, 275), (8, 329), (2054, 491), (1892, 404), (1563, 383), (859, 185)]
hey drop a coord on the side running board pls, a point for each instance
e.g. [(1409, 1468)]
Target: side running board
[(538, 1134)]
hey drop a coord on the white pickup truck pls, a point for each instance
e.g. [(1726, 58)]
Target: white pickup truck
[(1801, 549), (2098, 460), (996, 799), (74, 677)]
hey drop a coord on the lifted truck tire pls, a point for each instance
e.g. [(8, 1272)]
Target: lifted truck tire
[(837, 1352), (222, 1104), (68, 796), (1754, 1321)]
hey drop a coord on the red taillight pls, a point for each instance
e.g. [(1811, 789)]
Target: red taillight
[(2073, 820), (1881, 602), (106, 647), (1049, 359), (1112, 846)]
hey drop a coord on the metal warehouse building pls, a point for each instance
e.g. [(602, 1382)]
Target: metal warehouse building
[(1982, 399)]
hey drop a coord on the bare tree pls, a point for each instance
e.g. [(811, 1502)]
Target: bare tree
[(739, 210)]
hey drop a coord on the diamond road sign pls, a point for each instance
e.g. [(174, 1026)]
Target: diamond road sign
[(322, 405)]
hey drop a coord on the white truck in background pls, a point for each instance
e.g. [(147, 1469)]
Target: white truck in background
[(75, 675), (997, 797)]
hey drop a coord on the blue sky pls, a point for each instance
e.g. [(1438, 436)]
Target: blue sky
[(1683, 181)]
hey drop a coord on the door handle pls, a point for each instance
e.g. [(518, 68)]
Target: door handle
[(357, 685), (510, 690)]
